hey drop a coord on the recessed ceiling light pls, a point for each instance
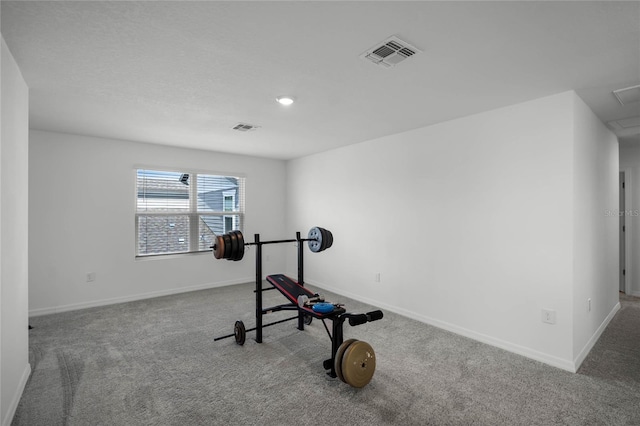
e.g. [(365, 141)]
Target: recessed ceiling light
[(285, 100)]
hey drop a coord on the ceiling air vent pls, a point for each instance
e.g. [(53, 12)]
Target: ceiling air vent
[(244, 127), (628, 95), (625, 123), (390, 52)]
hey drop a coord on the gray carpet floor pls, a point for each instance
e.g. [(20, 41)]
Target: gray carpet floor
[(154, 362)]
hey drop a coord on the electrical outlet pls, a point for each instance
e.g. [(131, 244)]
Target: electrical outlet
[(91, 277), (549, 316), (377, 277)]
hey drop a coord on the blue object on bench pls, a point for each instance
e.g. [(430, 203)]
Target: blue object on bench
[(323, 308)]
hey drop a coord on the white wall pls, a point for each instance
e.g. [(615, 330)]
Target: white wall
[(630, 164), (82, 205), (466, 221), (13, 236), (596, 167), (469, 222)]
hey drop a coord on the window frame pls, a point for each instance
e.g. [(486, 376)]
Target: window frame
[(192, 214)]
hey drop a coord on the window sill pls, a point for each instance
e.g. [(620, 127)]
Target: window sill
[(171, 255)]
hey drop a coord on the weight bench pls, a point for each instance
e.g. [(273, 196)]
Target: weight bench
[(353, 361), (295, 293)]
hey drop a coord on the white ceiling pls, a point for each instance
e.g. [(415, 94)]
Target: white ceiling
[(184, 73)]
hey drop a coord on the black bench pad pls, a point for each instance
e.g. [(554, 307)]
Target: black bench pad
[(291, 290)]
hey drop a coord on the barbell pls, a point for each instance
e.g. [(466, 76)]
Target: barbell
[(231, 245)]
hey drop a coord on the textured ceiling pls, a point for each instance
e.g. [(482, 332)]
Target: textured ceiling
[(184, 73)]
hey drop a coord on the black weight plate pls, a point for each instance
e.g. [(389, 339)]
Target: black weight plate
[(337, 363), (329, 238), (227, 246), (325, 239), (240, 332), (234, 245), (307, 319), (240, 253), (315, 237)]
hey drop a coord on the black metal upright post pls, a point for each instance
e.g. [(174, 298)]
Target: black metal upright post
[(336, 340), (300, 259), (258, 288), (300, 276)]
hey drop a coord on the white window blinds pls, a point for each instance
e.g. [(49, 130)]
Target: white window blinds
[(182, 212)]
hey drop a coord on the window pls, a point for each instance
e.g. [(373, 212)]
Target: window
[(182, 212), (229, 201)]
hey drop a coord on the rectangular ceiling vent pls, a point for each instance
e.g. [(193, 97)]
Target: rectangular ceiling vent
[(244, 127), (628, 95), (390, 52), (625, 123)]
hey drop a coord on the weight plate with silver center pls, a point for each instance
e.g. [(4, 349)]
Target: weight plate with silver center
[(315, 235)]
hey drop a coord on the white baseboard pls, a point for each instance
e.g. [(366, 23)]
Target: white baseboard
[(131, 298), (592, 341), (561, 363), (15, 400)]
